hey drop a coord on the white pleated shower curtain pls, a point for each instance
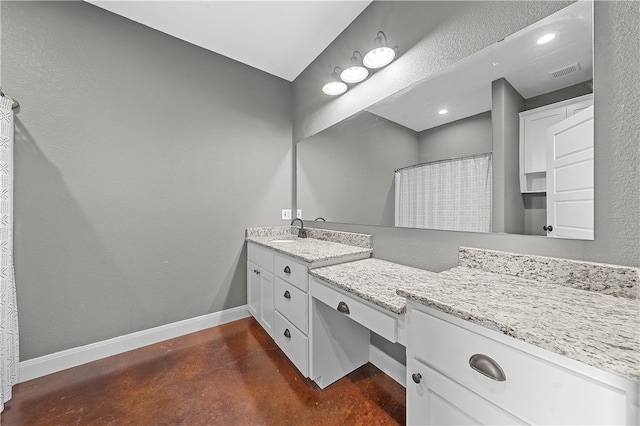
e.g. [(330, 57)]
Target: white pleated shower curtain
[(452, 195), (8, 308)]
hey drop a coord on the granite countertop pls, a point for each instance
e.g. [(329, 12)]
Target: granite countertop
[(595, 328), (319, 246), (374, 280)]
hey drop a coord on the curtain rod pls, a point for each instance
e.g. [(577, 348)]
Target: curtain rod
[(442, 161), (15, 105)]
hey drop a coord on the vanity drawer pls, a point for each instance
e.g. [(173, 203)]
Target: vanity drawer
[(293, 303), (261, 256), (534, 390), (291, 271), (369, 315), (292, 342)]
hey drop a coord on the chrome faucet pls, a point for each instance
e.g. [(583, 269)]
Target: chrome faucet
[(302, 233)]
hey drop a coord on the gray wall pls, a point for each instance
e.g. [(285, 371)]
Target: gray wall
[(507, 208), (617, 156), (139, 162), (462, 138), (345, 173)]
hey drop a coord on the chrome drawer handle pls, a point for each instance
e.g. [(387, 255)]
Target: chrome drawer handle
[(342, 307), (416, 377), (287, 270), (287, 333), (487, 366), (287, 295)]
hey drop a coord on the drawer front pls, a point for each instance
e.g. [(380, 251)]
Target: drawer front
[(261, 256), (292, 272), (293, 303), (295, 346), (374, 318), (534, 390)]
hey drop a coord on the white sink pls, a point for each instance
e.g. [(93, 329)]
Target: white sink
[(282, 241)]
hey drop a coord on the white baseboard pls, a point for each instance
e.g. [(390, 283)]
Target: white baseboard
[(391, 367), (73, 357)]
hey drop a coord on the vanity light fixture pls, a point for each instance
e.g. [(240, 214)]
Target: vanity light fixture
[(546, 38), (356, 72), (335, 86), (380, 55)]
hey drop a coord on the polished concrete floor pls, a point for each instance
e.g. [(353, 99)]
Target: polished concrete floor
[(233, 374)]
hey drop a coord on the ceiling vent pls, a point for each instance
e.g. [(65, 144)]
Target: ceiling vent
[(565, 71)]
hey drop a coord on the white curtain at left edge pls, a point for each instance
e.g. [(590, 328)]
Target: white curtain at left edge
[(8, 307)]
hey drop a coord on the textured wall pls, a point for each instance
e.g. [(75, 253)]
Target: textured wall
[(140, 161), (430, 37), (345, 173), (461, 138), (617, 124)]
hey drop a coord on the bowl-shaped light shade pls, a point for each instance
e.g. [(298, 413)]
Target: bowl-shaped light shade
[(379, 57), (334, 88), (354, 74)]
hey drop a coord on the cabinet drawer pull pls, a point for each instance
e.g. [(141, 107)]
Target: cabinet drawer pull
[(416, 377), (287, 295), (287, 270), (287, 333), (487, 366), (256, 272), (548, 228), (342, 307)]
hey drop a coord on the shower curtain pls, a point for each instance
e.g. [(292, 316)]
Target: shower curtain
[(452, 195), (8, 308)]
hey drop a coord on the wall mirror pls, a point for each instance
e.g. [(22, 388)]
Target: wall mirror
[(450, 129)]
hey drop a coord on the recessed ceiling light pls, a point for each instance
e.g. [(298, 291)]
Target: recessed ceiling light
[(546, 38), (442, 111)]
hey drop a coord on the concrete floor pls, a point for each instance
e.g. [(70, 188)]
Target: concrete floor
[(233, 374)]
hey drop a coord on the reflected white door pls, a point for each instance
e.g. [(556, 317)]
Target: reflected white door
[(570, 177)]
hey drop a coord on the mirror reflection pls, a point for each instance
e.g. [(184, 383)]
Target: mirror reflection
[(502, 141)]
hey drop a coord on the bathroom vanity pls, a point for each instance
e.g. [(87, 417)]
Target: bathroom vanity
[(500, 339), (278, 263)]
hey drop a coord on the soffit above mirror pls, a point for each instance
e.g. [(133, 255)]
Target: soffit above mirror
[(465, 89)]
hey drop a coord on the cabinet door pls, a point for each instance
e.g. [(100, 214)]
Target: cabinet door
[(535, 136), (266, 301), (434, 399), (578, 106), (253, 289)]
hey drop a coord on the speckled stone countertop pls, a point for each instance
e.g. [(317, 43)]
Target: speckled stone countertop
[(593, 327), (374, 280), (319, 246)]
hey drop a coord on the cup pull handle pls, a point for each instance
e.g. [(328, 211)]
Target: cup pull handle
[(416, 377), (287, 295), (287, 333), (487, 367), (342, 307), (287, 270)]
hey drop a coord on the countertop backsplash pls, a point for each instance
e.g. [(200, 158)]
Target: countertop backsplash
[(614, 280)]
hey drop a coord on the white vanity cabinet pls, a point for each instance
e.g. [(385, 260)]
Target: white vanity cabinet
[(260, 285), (533, 139), (292, 311), (462, 373)]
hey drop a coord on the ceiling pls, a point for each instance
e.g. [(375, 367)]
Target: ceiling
[(465, 88), (279, 37)]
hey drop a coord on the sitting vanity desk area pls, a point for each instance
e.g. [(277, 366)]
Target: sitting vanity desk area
[(500, 339)]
